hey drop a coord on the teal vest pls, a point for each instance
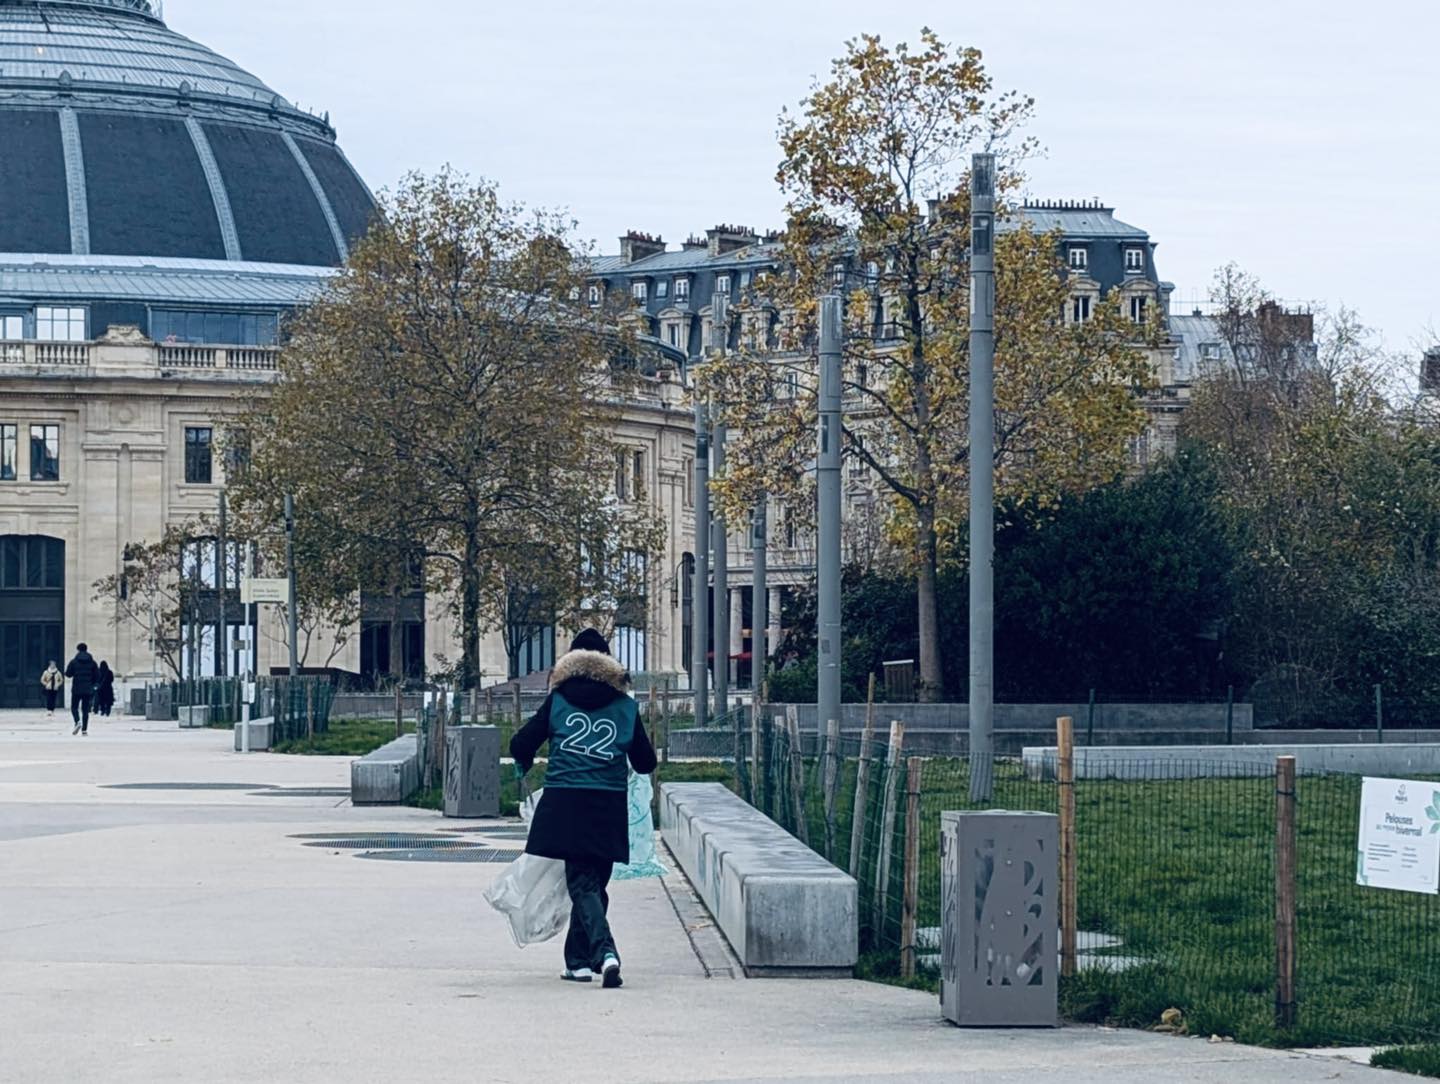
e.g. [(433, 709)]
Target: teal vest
[(588, 749)]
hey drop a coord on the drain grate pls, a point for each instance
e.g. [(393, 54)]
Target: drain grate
[(390, 842), (445, 854), (262, 787)]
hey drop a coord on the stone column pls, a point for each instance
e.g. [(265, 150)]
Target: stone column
[(737, 632), (774, 618)]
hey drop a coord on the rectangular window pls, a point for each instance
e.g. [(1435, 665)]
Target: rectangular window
[(44, 453), (744, 279), (216, 328), (12, 329), (1134, 260), (662, 289), (722, 285), (682, 289), (640, 291), (622, 488), (197, 455), (1079, 258), (687, 480), (593, 295), (1080, 308), (638, 489), (59, 325), (672, 334), (1138, 306), (9, 450)]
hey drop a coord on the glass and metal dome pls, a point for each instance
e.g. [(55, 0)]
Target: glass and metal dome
[(123, 138)]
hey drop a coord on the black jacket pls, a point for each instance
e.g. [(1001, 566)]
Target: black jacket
[(82, 673), (574, 824), (105, 687)]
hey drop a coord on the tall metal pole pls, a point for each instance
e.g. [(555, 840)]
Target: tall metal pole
[(290, 573), (828, 486), (700, 611), (719, 330), (222, 582), (760, 599), (982, 476)]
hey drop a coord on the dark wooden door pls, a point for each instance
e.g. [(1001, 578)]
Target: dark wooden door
[(32, 615)]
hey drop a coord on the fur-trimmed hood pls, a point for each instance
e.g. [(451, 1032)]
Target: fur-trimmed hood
[(592, 666)]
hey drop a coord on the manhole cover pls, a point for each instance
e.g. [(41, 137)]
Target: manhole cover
[(305, 792), (445, 854), (389, 842), (265, 787)]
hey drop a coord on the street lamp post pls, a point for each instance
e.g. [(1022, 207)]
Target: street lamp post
[(982, 476), (828, 540)]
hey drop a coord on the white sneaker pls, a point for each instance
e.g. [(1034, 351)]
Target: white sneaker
[(76, 730), (580, 974), (610, 970)]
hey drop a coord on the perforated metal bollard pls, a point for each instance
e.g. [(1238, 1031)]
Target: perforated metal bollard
[(472, 771), (999, 883)]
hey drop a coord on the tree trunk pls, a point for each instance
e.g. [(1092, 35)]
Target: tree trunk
[(470, 613), (397, 662), (932, 677)]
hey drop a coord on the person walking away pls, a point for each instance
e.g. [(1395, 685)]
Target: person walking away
[(52, 681), (105, 689), (593, 727), (82, 673)]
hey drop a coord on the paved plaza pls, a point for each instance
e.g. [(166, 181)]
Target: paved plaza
[(161, 921)]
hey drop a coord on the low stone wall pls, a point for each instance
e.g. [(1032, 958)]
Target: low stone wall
[(262, 735), (192, 718), (783, 908), (387, 776), (1206, 761)]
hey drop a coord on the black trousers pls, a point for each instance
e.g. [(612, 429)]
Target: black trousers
[(80, 702), (589, 940), (50, 695)]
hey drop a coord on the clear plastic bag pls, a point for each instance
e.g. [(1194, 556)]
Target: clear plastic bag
[(532, 896), (643, 862)]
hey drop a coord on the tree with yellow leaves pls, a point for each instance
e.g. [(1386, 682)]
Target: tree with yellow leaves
[(875, 170)]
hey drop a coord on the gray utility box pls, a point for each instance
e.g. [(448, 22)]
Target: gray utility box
[(158, 705), (999, 888), (472, 771)]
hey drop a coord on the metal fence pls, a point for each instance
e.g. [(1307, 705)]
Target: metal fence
[(300, 707), (1175, 891)]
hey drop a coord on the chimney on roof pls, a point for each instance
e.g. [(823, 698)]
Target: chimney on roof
[(723, 239), (692, 243), (637, 246), (1430, 371)]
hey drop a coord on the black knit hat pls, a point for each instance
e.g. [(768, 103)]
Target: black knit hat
[(590, 640)]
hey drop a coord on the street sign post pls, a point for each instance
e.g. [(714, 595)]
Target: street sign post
[(255, 589)]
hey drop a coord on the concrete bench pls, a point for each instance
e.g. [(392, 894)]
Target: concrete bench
[(194, 718), (262, 734), (387, 776), (784, 909), (1403, 759)]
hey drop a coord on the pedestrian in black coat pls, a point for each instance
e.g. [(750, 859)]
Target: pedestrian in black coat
[(83, 675), (105, 690), (593, 728)]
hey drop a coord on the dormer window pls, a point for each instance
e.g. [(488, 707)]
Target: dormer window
[(744, 279), (593, 295), (682, 288), (1139, 307), (1079, 258), (662, 289), (1134, 261), (722, 285), (837, 276), (640, 291)]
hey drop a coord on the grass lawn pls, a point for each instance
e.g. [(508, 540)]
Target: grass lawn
[(345, 738), (1182, 872), (1420, 1060)]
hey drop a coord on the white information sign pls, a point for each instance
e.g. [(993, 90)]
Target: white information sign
[(1399, 844), (263, 591)]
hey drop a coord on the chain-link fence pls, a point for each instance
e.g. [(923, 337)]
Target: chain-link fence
[(1176, 886)]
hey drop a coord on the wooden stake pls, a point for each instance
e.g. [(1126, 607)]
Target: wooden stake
[(862, 788), (310, 708), (399, 710), (519, 713), (1066, 766), (1286, 1010), (665, 727), (914, 768), (797, 778), (474, 706), (831, 781), (489, 703), (887, 825)]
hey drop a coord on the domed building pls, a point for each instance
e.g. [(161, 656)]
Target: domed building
[(161, 209)]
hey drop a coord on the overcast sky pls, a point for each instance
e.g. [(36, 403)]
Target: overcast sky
[(1299, 139)]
